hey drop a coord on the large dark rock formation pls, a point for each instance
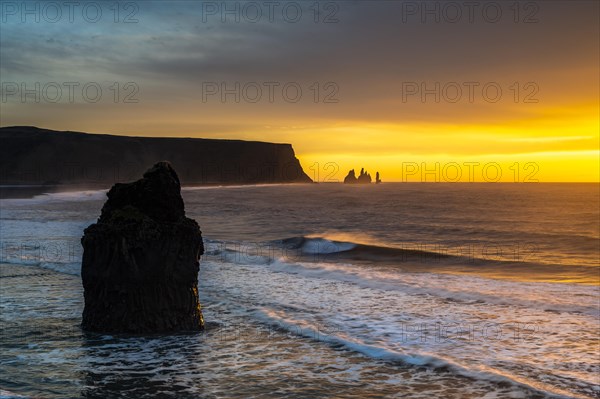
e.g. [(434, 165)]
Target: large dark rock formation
[(141, 259), (29, 155)]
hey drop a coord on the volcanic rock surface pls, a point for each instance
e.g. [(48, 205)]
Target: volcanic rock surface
[(141, 259)]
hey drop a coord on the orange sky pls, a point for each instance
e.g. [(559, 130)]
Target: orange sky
[(362, 78)]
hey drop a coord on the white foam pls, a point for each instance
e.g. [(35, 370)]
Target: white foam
[(302, 328), (4, 394), (372, 313), (460, 288)]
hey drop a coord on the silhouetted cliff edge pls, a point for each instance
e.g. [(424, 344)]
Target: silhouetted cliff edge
[(29, 155)]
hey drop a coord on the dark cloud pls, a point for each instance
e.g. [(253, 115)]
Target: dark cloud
[(370, 51)]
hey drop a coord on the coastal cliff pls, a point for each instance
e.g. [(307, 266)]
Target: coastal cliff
[(29, 155)]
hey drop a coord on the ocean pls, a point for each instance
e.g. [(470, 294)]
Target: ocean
[(326, 290)]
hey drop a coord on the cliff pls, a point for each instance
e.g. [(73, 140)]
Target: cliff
[(29, 155)]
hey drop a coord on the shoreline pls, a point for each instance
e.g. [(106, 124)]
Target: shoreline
[(28, 191)]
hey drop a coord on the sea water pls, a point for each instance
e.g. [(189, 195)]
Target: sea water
[(392, 290)]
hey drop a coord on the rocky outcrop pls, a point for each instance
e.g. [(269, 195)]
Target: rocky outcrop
[(29, 155), (141, 259), (351, 177), (363, 178), (377, 178)]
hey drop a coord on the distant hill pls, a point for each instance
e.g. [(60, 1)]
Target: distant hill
[(29, 155)]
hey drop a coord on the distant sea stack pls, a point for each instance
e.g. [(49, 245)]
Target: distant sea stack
[(363, 178), (141, 259), (29, 155), (351, 177)]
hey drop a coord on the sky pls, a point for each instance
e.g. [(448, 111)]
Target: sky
[(419, 91)]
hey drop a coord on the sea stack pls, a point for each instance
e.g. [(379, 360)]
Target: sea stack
[(351, 177), (363, 178), (141, 259)]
